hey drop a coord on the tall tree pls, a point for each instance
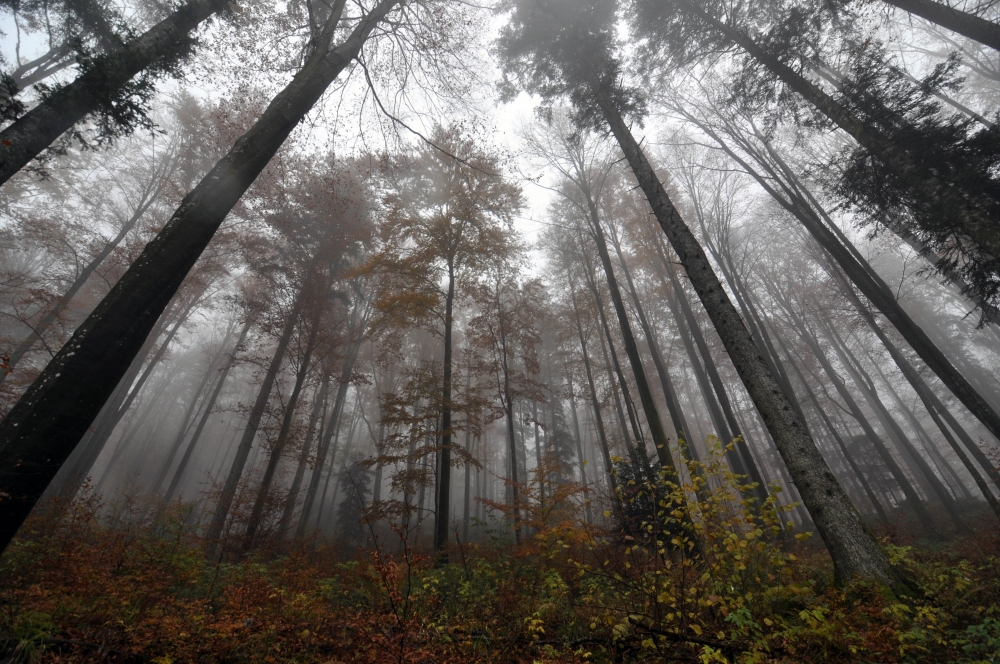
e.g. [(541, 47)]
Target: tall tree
[(41, 430), (560, 49), (449, 215)]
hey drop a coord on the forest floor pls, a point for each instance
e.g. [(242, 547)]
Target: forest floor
[(100, 585)]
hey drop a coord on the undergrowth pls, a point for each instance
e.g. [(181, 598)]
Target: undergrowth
[(730, 584)]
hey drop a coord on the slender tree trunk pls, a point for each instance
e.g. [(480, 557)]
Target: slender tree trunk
[(225, 501), (206, 415), (656, 430), (319, 403), (257, 512), (615, 375), (855, 552), (443, 508), (578, 439), (23, 140), (189, 415), (916, 504), (42, 429), (863, 383), (331, 429), (669, 394), (595, 401), (538, 457)]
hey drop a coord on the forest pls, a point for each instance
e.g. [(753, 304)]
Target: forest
[(440, 331)]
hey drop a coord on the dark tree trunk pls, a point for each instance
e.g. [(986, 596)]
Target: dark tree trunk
[(257, 512), (225, 502), (319, 404), (855, 552), (443, 507), (968, 25), (95, 444), (23, 140), (205, 416), (42, 429), (594, 399)]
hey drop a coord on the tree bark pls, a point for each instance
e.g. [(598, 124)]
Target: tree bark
[(25, 139), (42, 429), (968, 25), (852, 546), (443, 507)]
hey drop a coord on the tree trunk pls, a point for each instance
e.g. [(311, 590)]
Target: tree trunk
[(595, 401), (225, 502), (39, 330), (968, 25), (852, 546), (319, 404), (443, 507), (653, 421), (23, 140), (578, 439), (42, 429), (916, 504), (669, 394), (257, 512), (189, 415), (206, 415), (983, 231), (330, 430)]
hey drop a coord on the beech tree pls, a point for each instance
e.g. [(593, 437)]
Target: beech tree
[(451, 208)]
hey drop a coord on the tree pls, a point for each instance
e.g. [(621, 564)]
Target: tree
[(448, 215), (105, 86), (40, 432), (560, 49), (505, 332)]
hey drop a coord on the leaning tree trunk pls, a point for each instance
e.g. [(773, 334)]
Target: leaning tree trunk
[(975, 28), (25, 139), (982, 230), (890, 462), (855, 552), (38, 331), (653, 421), (225, 501), (257, 512), (205, 416), (42, 429), (797, 200)]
